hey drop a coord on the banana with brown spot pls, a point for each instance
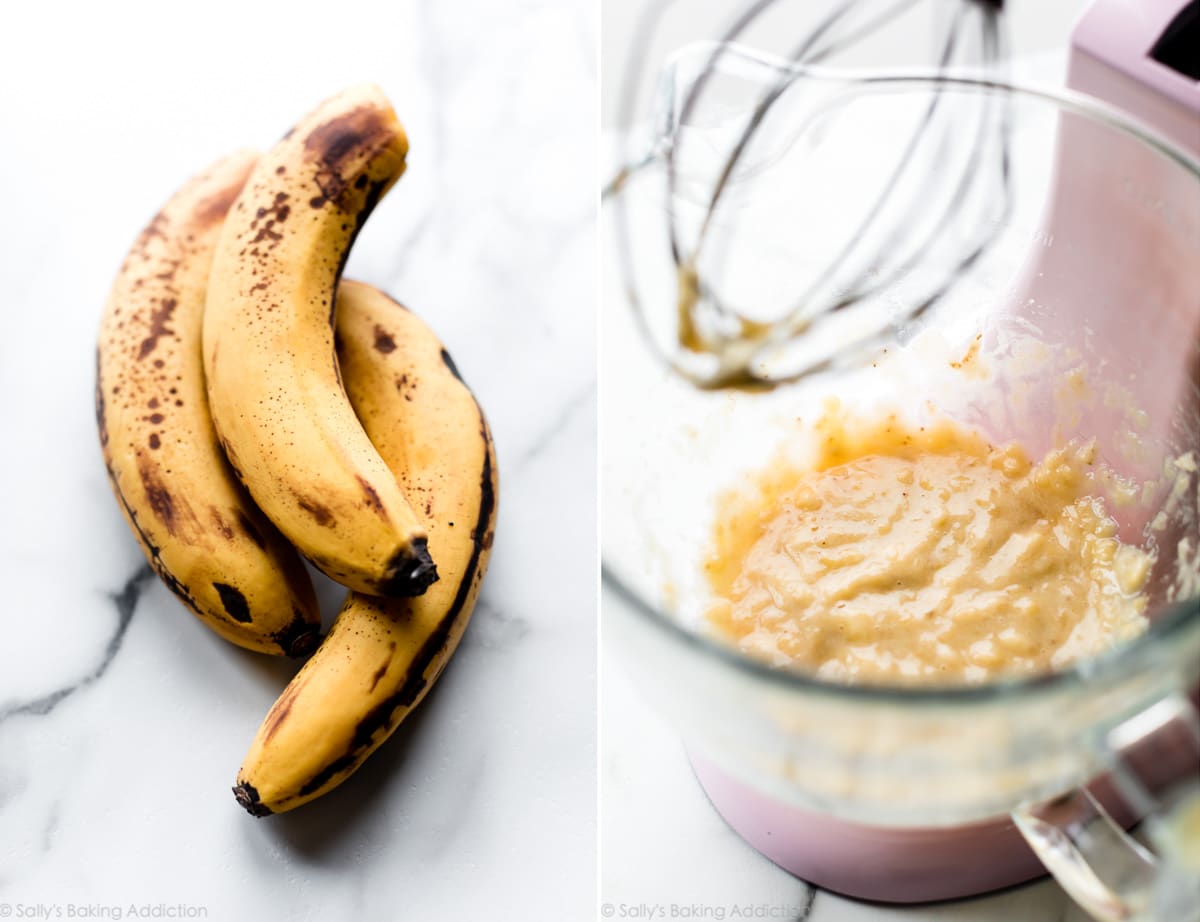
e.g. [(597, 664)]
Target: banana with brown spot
[(382, 655), (196, 524), (277, 398)]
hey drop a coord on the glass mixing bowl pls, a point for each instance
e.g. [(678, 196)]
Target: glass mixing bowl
[(1074, 291)]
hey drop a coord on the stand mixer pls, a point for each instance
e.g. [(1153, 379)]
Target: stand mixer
[(865, 791)]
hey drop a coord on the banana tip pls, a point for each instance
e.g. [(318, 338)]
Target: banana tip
[(413, 571), (302, 635), (247, 796), (302, 645)]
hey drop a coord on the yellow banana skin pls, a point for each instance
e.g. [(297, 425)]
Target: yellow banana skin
[(277, 398), (382, 655), (197, 526)]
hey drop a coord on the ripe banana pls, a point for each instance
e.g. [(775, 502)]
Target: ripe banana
[(277, 398), (382, 655), (196, 525)]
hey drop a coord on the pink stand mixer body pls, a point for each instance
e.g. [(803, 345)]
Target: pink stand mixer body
[(1107, 260), (1097, 199), (899, 865)]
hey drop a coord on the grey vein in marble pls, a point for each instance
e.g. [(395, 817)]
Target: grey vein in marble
[(125, 602), (51, 826), (555, 427), (810, 901), (493, 629)]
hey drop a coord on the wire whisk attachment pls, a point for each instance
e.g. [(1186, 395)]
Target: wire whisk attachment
[(811, 213)]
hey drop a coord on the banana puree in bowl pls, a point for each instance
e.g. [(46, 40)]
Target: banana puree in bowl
[(923, 554)]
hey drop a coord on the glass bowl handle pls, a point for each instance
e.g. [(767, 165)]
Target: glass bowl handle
[(1105, 870)]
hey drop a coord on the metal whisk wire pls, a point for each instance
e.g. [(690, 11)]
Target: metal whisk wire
[(719, 345)]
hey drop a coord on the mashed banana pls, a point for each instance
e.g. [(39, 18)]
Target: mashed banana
[(924, 555)]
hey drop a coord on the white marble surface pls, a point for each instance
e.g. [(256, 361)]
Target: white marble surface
[(122, 720)]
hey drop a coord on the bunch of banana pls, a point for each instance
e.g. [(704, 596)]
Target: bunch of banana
[(238, 430)]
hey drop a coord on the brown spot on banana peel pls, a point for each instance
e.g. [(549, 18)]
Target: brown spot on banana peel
[(280, 709), (319, 512), (384, 341), (332, 187), (383, 667), (234, 602), (382, 716), (225, 529), (159, 318), (159, 497), (335, 141), (373, 500), (276, 214)]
